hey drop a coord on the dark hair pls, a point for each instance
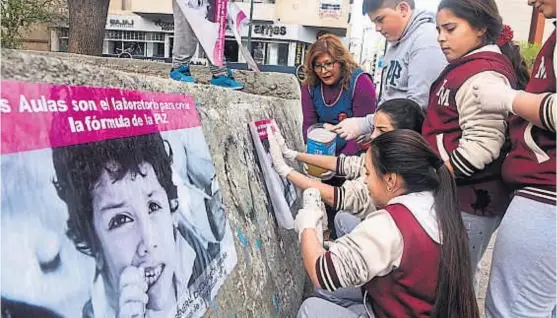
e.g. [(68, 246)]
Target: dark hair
[(372, 5), (404, 114), (321, 33), (485, 14), (407, 154), (79, 167)]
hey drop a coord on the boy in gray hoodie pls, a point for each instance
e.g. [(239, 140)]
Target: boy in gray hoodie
[(412, 62)]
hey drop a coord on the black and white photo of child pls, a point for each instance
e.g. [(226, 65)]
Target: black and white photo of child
[(115, 228), (122, 203)]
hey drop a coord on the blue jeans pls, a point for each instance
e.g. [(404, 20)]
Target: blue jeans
[(479, 230), (343, 302), (345, 223), (523, 271), (315, 307)]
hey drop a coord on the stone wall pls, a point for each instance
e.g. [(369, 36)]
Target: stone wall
[(268, 279), (265, 84)]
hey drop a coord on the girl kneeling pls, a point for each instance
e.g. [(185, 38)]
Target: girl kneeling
[(398, 254)]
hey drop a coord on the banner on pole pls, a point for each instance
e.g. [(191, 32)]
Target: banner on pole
[(207, 18), (236, 20)]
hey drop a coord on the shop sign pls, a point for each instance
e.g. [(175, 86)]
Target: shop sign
[(164, 25), (121, 23), (299, 52), (269, 30)]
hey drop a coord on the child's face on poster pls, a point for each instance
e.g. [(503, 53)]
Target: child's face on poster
[(132, 220)]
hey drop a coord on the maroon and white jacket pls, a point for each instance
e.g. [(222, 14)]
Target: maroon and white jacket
[(472, 139), (530, 165), (394, 254)]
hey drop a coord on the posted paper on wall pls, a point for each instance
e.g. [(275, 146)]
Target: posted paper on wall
[(105, 191), (281, 191)]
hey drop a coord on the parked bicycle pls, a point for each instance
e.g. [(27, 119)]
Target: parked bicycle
[(130, 51)]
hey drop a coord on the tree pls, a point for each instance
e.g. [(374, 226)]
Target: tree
[(87, 23), (529, 52), (18, 15)]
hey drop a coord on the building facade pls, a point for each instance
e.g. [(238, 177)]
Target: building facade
[(281, 29)]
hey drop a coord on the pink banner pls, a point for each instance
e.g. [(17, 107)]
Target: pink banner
[(37, 116), (220, 18)]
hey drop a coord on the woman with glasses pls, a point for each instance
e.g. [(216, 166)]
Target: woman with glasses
[(335, 88)]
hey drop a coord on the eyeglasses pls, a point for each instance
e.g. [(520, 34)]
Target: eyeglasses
[(325, 67)]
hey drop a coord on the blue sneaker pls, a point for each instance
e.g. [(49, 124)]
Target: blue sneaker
[(182, 74), (227, 81)]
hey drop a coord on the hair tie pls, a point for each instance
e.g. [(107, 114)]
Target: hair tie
[(506, 35)]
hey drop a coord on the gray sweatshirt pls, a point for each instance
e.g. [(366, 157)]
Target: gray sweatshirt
[(411, 64)]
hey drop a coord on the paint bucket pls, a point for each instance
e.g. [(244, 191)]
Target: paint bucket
[(320, 141)]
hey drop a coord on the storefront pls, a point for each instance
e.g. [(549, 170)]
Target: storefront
[(152, 37)]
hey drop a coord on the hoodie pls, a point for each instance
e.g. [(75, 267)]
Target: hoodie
[(411, 64)]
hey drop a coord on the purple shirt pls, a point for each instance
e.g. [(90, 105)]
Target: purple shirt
[(364, 103)]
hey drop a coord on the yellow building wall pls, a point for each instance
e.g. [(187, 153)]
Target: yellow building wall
[(36, 37), (306, 12)]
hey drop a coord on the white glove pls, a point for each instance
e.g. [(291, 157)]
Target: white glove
[(495, 97), (312, 215), (276, 155), (349, 128), (286, 152)]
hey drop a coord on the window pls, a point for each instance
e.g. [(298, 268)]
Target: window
[(231, 50), (158, 49), (259, 52), (154, 37), (116, 35), (134, 35), (171, 45), (134, 48), (63, 40), (282, 54)]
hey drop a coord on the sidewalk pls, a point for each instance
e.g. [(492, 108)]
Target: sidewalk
[(485, 264)]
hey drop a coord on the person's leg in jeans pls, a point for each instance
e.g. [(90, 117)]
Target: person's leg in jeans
[(345, 297), (479, 230), (314, 307), (185, 44), (345, 222), (523, 271)]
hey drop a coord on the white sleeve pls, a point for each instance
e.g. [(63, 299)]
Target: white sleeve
[(366, 125), (372, 249), (483, 132), (351, 167), (547, 112), (353, 197)]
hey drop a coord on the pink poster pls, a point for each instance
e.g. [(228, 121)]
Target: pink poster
[(110, 204), (282, 192)]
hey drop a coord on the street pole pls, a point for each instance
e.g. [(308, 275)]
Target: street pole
[(362, 44), (250, 26)]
